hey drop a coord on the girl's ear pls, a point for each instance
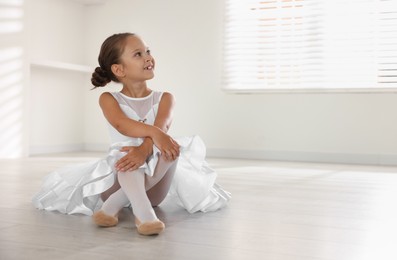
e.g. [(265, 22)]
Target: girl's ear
[(118, 70)]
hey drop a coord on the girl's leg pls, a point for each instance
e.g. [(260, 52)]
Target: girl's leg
[(133, 185), (114, 200), (156, 188), (106, 194), (161, 171), (159, 184), (115, 203)]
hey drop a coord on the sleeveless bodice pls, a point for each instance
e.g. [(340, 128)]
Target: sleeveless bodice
[(140, 109)]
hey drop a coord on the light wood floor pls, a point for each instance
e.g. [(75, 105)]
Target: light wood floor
[(283, 211)]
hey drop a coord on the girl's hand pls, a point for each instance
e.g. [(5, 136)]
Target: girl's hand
[(135, 158), (169, 147)]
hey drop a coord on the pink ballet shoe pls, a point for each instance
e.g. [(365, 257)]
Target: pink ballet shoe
[(103, 220), (149, 228)]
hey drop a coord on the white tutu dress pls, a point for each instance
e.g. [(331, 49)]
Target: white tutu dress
[(77, 188)]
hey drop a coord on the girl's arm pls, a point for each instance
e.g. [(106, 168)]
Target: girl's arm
[(137, 155), (163, 119), (165, 112)]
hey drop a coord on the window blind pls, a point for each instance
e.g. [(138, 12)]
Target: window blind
[(310, 44)]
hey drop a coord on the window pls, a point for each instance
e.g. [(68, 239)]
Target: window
[(310, 45)]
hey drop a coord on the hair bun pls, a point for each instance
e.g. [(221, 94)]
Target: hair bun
[(100, 77)]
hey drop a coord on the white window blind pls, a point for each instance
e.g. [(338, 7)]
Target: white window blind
[(310, 44)]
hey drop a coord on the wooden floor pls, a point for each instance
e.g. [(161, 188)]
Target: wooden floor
[(283, 211)]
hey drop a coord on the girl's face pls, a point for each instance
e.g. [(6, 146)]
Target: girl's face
[(136, 60)]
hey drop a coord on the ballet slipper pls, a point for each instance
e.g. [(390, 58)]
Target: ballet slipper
[(149, 228), (103, 220)]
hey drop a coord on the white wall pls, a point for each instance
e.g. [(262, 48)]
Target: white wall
[(57, 34), (186, 39)]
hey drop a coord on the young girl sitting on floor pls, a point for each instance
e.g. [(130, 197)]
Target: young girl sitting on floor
[(144, 163)]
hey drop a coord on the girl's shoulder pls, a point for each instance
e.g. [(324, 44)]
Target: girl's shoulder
[(117, 95), (165, 94), (107, 97), (167, 99), (108, 94)]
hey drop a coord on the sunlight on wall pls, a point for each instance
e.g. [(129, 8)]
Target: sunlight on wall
[(11, 79), (9, 24)]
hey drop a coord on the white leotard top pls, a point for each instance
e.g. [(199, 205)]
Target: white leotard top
[(140, 109)]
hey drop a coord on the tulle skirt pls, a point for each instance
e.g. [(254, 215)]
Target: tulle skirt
[(77, 188)]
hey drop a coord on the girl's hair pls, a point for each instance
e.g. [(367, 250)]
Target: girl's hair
[(110, 54)]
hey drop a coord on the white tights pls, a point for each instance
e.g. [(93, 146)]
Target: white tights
[(141, 190)]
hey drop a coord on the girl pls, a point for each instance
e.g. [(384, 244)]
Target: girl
[(144, 163)]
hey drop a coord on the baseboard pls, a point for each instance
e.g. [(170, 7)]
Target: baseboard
[(48, 149), (96, 147), (302, 156), (294, 156)]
